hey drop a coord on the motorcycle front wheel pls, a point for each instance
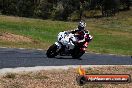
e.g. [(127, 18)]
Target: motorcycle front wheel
[(51, 52)]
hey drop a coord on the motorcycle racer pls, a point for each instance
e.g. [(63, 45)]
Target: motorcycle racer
[(71, 43), (71, 38), (81, 33)]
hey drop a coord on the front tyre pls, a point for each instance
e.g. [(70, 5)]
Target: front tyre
[(51, 52)]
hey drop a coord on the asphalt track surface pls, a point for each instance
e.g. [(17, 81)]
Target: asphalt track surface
[(12, 58)]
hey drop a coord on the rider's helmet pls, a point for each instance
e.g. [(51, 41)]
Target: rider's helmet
[(81, 25)]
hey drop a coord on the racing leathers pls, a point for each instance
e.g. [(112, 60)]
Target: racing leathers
[(81, 35)]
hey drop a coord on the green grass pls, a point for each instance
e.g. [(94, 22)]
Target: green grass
[(111, 35)]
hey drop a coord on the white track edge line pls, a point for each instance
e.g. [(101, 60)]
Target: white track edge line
[(39, 68)]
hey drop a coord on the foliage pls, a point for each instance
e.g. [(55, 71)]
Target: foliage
[(110, 7), (44, 8), (61, 9)]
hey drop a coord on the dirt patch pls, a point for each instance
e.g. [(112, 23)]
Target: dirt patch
[(42, 79), (14, 38)]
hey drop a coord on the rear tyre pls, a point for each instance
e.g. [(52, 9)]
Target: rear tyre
[(51, 52), (77, 53)]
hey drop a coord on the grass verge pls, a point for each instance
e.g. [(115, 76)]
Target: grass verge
[(111, 35)]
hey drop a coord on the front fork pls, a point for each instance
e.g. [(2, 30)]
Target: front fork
[(58, 46)]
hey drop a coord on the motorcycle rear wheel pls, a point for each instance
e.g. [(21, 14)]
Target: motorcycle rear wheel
[(77, 53)]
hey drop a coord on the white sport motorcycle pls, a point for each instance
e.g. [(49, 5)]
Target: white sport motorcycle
[(67, 45)]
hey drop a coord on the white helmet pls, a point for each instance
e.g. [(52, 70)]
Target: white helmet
[(81, 25)]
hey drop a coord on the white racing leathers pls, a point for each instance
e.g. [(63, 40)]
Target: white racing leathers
[(66, 39)]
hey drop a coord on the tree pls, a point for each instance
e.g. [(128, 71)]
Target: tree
[(25, 8), (125, 4), (110, 7), (44, 9), (82, 1), (65, 8), (9, 7)]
